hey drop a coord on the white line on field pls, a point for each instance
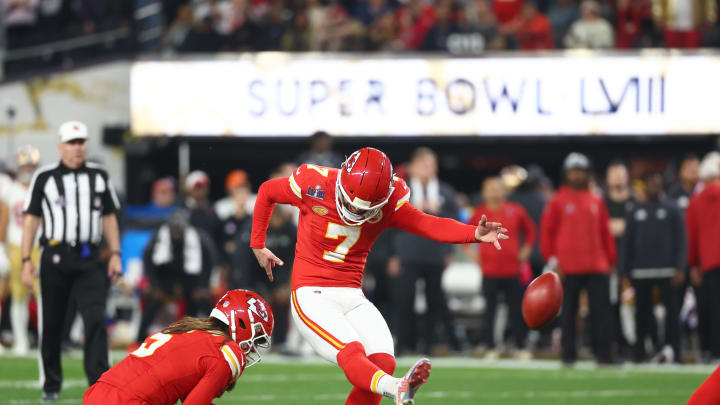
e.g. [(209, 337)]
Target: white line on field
[(464, 362), (474, 395), (37, 401), (35, 384)]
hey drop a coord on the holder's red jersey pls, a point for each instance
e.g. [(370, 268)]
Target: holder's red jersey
[(329, 252), (194, 367)]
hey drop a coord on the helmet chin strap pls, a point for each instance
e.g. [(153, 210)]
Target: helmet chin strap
[(233, 327)]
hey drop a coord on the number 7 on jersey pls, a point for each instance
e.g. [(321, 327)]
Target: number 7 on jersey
[(334, 231)]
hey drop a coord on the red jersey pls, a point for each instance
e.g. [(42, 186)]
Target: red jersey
[(505, 263), (575, 228), (535, 34), (330, 253), (506, 10), (702, 220), (194, 367)]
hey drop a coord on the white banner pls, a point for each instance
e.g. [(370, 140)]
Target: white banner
[(277, 94)]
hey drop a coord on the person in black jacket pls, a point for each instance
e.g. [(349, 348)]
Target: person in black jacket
[(420, 258), (281, 238), (655, 246), (177, 262)]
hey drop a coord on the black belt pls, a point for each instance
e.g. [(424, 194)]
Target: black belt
[(84, 250)]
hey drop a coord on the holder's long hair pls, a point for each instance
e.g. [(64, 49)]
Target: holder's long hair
[(190, 323)]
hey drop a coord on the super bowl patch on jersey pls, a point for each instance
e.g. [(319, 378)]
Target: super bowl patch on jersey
[(316, 192)]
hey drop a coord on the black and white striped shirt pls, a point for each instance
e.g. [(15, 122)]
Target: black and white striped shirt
[(71, 203)]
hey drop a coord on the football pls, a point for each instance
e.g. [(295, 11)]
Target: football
[(542, 301)]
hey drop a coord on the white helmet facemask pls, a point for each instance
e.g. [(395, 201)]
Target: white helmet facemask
[(365, 214)]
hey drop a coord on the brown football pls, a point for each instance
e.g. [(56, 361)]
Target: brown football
[(542, 301)]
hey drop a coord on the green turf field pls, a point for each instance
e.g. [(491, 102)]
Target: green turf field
[(453, 381)]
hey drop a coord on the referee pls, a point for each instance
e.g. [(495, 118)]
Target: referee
[(77, 205)]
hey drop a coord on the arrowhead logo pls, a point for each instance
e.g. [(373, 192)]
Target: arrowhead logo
[(258, 308)]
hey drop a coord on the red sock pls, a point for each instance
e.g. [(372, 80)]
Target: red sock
[(359, 396), (708, 393), (359, 370)]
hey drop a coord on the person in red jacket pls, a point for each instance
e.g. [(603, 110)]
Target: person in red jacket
[(501, 268), (702, 220), (532, 29), (575, 231), (194, 360)]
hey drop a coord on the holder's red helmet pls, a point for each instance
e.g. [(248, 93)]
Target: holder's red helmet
[(364, 185), (250, 320)]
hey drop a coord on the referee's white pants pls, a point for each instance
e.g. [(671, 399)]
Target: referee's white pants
[(331, 317)]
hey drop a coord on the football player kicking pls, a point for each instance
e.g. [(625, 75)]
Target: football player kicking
[(194, 360), (342, 212)]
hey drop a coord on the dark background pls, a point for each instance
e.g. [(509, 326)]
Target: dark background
[(464, 161)]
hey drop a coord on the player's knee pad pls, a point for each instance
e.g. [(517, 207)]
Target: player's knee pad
[(385, 361), (350, 350)]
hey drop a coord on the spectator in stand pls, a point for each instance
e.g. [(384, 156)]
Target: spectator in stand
[(202, 215), (703, 221), (368, 11), (634, 25), (655, 254), (420, 258), (507, 11), (178, 31), (337, 31), (532, 29), (575, 235), (220, 12), (478, 18), (177, 263), (298, 37), (591, 30), (501, 268), (201, 38), (561, 15), (438, 36), (711, 38), (683, 20), (19, 20), (381, 34), (271, 28), (321, 152), (414, 19)]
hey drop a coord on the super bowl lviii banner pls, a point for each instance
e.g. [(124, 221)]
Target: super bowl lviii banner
[(282, 94)]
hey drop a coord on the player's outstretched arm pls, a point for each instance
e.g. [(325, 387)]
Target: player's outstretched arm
[(446, 230), (267, 261), (270, 193)]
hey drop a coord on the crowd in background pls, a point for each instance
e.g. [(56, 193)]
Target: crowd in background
[(455, 26), (636, 248)]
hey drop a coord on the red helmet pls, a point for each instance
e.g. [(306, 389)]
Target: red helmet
[(250, 319), (364, 185)]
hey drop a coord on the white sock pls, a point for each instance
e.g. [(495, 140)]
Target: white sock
[(19, 317), (387, 386)]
